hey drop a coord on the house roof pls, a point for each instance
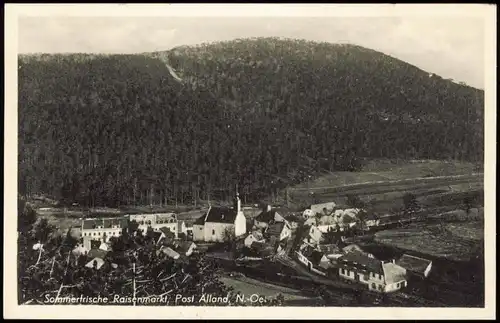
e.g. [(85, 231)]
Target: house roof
[(269, 216), (413, 264), (97, 253), (275, 229), (99, 263), (200, 220), (393, 273), (106, 223), (359, 260), (221, 215), (315, 257), (183, 246), (166, 231), (169, 252)]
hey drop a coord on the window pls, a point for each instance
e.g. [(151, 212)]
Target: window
[(381, 288), (374, 286), (201, 228), (399, 285), (213, 232)]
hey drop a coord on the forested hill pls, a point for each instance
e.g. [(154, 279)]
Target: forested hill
[(105, 130)]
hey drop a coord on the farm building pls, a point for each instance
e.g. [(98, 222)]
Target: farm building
[(169, 252), (95, 262), (379, 276), (415, 265), (99, 229), (357, 248), (212, 226)]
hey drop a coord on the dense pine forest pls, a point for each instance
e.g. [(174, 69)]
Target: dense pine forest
[(110, 130)]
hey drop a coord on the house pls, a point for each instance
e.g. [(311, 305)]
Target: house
[(415, 265), (255, 236), (377, 275), (102, 229), (185, 247), (356, 248), (313, 235), (156, 221), (157, 237), (323, 208), (98, 262), (280, 230), (214, 225), (169, 252), (267, 217), (313, 259), (105, 246)]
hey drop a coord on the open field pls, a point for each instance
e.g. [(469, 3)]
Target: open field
[(382, 185), (467, 231), (434, 240)]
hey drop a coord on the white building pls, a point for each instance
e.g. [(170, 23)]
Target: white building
[(378, 275), (103, 229), (212, 226), (156, 221)]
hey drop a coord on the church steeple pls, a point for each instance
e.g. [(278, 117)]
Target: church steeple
[(237, 201)]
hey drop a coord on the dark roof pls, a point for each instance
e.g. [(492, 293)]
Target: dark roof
[(275, 229), (221, 215), (414, 264), (183, 246), (97, 253), (360, 261), (315, 257), (106, 223), (266, 216), (167, 232), (200, 220)]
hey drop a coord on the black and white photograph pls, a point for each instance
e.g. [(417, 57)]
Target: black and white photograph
[(199, 158)]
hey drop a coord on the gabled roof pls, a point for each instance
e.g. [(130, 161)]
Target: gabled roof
[(221, 215), (156, 236), (170, 253), (97, 253), (393, 273), (183, 246), (329, 249), (269, 216), (106, 223), (99, 263), (413, 264), (360, 261), (200, 220), (275, 229), (315, 257), (166, 231)]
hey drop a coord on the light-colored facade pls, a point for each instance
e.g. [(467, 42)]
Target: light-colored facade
[(156, 221), (102, 229), (216, 223)]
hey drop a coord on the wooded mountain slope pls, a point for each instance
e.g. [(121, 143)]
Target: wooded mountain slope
[(105, 130)]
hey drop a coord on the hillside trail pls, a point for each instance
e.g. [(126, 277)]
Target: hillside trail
[(173, 73)]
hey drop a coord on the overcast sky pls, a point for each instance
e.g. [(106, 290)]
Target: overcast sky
[(451, 47)]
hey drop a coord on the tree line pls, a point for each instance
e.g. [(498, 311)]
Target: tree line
[(257, 114)]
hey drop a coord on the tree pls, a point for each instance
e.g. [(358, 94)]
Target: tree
[(26, 217), (229, 236), (354, 201), (410, 204)]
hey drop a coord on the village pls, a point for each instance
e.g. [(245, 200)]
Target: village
[(323, 243)]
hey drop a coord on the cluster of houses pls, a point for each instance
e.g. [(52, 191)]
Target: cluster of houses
[(267, 235), (351, 262)]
